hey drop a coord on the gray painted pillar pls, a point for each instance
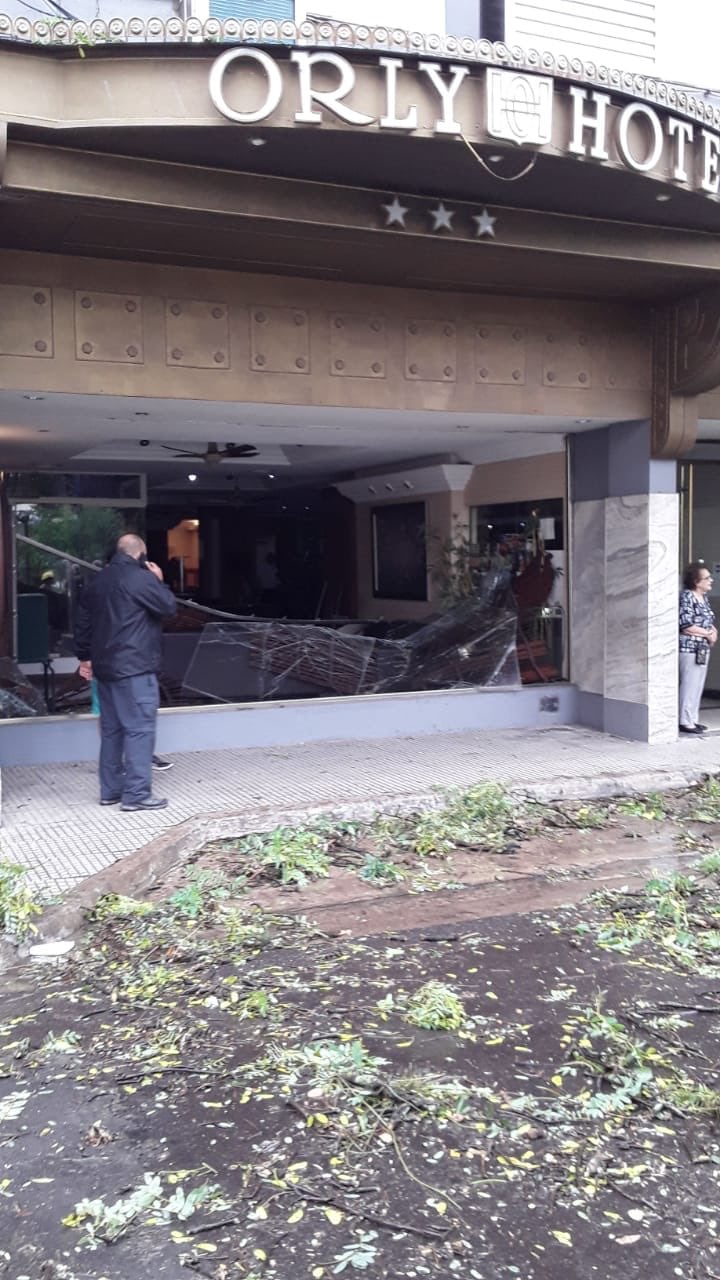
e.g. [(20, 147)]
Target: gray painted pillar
[(624, 558)]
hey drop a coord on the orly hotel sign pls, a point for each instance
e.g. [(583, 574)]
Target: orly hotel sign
[(249, 86)]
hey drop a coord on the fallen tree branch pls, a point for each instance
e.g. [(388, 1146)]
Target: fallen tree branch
[(633, 1199), (210, 1226), (674, 1042), (687, 1008), (387, 1224), (413, 1176), (161, 1071)]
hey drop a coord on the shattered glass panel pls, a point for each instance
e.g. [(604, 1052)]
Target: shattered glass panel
[(243, 661), (17, 695), (473, 645)]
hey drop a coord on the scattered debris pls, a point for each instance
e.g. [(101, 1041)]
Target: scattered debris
[(530, 1096), (17, 905), (50, 952)]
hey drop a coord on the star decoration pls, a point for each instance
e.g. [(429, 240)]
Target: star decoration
[(442, 217), (395, 213), (484, 224)]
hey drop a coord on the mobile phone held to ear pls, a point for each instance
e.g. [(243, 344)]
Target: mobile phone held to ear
[(142, 559)]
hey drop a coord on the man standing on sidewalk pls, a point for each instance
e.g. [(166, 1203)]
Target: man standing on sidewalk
[(118, 641)]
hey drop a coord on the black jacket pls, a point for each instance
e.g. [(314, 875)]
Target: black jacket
[(119, 617)]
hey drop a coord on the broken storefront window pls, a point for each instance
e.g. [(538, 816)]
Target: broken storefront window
[(472, 645)]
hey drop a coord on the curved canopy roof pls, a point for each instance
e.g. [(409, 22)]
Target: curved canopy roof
[(113, 128)]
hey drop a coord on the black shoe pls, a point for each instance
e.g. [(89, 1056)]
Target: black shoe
[(701, 727), (160, 763), (112, 800), (152, 802), (684, 728)]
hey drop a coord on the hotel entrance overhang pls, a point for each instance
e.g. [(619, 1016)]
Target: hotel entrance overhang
[(410, 273)]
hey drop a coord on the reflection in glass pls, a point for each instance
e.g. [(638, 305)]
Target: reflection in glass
[(70, 534), (520, 547)]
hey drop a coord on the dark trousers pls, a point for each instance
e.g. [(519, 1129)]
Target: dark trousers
[(128, 709)]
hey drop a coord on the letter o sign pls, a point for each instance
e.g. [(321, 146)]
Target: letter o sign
[(652, 158), (273, 91)]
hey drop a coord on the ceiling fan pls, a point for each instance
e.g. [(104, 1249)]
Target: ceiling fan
[(213, 456)]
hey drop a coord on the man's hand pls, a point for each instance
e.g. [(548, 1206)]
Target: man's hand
[(154, 569), (85, 670)]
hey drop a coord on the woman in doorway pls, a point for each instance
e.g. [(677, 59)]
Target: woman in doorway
[(698, 634)]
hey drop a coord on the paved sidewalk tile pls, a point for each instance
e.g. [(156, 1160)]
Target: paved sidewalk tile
[(53, 824)]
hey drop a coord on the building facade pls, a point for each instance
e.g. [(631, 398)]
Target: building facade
[(454, 306)]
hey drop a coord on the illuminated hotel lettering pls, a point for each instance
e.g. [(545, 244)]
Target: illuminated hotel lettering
[(518, 107)]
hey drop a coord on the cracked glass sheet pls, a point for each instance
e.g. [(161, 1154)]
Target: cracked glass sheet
[(17, 695), (242, 661), (473, 645)]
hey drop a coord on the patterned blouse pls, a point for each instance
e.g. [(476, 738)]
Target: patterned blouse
[(694, 613)]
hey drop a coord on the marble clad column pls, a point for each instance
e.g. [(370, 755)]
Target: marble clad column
[(624, 557), (663, 592), (587, 626)]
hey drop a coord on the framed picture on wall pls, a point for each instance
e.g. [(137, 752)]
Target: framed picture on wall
[(399, 551)]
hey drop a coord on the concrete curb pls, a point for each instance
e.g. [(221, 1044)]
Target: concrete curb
[(9, 954), (607, 786), (141, 870)]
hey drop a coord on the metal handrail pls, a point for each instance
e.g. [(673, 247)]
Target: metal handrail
[(53, 551), (94, 568)]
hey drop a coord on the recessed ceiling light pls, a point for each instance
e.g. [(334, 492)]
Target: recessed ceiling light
[(271, 475), (33, 397), (582, 422), (496, 159), (192, 477), (663, 198), (257, 142)]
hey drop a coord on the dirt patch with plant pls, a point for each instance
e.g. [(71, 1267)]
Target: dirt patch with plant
[(480, 852), (206, 1087)]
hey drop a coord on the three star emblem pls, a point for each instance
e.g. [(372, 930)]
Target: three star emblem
[(442, 218)]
